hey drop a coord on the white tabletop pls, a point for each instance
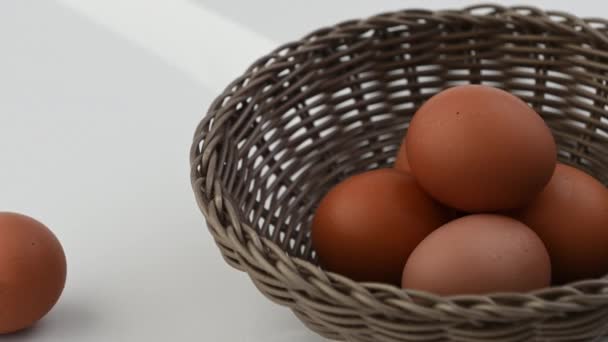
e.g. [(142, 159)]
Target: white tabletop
[(98, 104)]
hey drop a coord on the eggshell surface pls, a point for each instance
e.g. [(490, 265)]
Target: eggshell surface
[(32, 271), (480, 149), (366, 227), (571, 216), (479, 254)]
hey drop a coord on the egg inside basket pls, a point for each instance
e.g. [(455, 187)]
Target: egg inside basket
[(337, 102)]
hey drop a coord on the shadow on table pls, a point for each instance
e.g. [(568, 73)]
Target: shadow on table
[(64, 321)]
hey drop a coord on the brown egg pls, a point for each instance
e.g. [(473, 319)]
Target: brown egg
[(401, 163), (479, 254), (32, 271), (571, 216), (480, 149), (366, 226)]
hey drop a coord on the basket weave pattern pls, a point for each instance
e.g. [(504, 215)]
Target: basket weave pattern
[(338, 102)]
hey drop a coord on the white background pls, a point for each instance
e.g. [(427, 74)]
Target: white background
[(98, 104)]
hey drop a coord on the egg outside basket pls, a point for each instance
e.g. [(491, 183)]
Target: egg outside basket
[(337, 102)]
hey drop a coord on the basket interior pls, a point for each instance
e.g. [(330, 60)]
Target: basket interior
[(340, 104)]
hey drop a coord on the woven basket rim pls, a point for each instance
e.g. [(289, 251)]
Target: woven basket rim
[(571, 297)]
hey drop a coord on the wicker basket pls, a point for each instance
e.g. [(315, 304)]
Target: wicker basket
[(338, 102)]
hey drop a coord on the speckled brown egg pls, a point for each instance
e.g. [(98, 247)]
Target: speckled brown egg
[(571, 216), (366, 227), (32, 271), (480, 149), (479, 254)]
